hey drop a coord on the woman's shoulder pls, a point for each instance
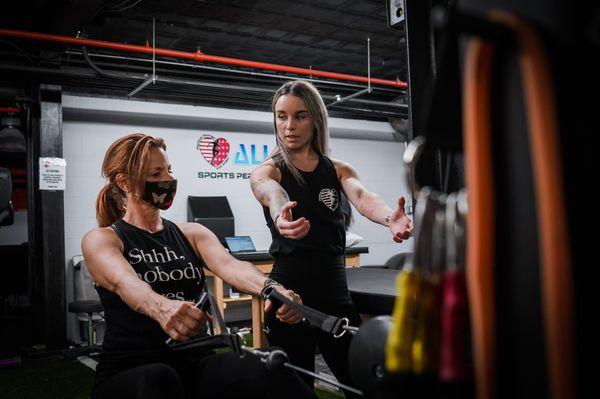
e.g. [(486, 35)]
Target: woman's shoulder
[(104, 233), (340, 165), (196, 234), (266, 165), (336, 162), (267, 169), (100, 237), (191, 229), (343, 169)]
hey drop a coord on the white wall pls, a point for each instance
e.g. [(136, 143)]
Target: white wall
[(92, 124)]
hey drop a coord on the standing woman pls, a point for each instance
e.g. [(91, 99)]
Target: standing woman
[(300, 188), (148, 272)]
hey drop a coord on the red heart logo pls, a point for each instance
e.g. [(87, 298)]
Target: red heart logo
[(214, 150)]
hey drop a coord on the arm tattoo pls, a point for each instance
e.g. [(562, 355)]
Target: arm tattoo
[(270, 193)]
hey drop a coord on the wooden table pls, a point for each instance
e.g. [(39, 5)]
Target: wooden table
[(264, 262)]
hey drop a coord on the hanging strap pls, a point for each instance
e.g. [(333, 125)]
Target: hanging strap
[(555, 254), (480, 218)]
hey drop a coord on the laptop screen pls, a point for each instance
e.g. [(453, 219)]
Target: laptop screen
[(240, 244)]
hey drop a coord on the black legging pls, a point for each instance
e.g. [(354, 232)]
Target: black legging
[(224, 375), (321, 283)]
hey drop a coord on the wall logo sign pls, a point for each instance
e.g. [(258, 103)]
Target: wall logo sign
[(214, 150), (245, 157)]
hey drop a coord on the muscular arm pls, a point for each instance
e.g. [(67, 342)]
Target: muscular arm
[(264, 182), (102, 250), (242, 275), (370, 205), (265, 186)]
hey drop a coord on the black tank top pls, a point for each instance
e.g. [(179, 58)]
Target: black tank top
[(168, 263), (319, 202)]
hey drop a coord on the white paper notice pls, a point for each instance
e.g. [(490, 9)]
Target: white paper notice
[(52, 173)]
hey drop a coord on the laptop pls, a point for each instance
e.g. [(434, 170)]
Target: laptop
[(240, 244)]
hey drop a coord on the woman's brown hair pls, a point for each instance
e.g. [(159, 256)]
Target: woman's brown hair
[(318, 113), (127, 156)]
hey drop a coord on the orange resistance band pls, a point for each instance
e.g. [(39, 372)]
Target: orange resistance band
[(555, 254), (480, 218), (555, 257)]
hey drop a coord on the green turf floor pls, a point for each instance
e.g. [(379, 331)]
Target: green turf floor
[(45, 379), (57, 378)]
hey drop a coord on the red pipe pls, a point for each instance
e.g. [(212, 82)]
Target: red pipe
[(9, 110), (197, 56)]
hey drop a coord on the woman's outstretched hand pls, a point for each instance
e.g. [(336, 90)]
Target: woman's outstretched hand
[(288, 228), (400, 225)]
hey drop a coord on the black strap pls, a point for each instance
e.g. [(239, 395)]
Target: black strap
[(215, 312), (329, 324)]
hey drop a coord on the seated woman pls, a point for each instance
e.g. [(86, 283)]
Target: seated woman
[(148, 272)]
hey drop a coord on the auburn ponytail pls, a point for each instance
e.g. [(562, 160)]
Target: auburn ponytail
[(109, 205)]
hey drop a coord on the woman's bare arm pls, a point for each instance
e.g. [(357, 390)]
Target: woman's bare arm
[(102, 250)]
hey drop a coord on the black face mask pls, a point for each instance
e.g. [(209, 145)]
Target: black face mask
[(160, 193)]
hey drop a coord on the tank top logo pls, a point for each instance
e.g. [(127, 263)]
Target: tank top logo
[(329, 197)]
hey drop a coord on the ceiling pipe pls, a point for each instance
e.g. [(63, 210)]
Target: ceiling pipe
[(164, 79), (219, 69), (151, 79), (399, 111), (197, 56)]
